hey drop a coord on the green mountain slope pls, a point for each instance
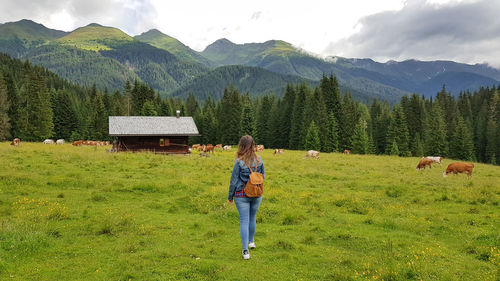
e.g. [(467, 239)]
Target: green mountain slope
[(82, 67), (159, 68), (95, 37), (160, 40), (253, 80), (17, 37), (282, 57)]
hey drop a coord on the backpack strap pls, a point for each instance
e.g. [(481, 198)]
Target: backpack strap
[(251, 169)]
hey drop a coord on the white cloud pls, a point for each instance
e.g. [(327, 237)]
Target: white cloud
[(465, 31), (389, 29)]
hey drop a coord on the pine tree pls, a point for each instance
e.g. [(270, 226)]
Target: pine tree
[(4, 108), (360, 138), (332, 136), (262, 129), (148, 109), (312, 138), (462, 145), (192, 106), (165, 109), (14, 104), (229, 116), (417, 147), (98, 123), (247, 123), (208, 128), (350, 116), (492, 142), (297, 116), (286, 116), (331, 94), (36, 115), (128, 97), (436, 143), (274, 125), (398, 131), (65, 119), (394, 149)]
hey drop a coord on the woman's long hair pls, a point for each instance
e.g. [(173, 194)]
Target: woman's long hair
[(246, 150)]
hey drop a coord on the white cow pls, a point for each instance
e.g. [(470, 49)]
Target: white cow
[(435, 159), (60, 141), (312, 153), (227, 147), (48, 141)]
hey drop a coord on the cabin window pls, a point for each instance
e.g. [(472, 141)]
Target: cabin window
[(164, 142)]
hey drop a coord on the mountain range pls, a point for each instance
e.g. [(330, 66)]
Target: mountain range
[(107, 57)]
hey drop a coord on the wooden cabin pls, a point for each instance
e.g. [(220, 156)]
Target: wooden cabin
[(155, 134)]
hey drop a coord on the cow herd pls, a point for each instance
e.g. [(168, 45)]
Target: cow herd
[(90, 143), (455, 168), (427, 161)]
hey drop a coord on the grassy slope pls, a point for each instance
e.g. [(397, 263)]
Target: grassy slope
[(85, 37), (83, 214)]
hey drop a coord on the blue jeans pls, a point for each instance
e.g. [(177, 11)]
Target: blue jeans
[(247, 208)]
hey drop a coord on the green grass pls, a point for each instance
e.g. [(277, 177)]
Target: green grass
[(95, 38), (76, 213)]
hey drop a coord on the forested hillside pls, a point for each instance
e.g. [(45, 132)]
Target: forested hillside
[(253, 80), (37, 104)]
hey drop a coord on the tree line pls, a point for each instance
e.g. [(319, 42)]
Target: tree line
[(36, 104)]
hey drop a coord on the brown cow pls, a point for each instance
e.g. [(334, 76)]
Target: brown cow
[(459, 167), (195, 146), (278, 151), (209, 148), (424, 162), (201, 148), (77, 143), (15, 142), (347, 151), (218, 146)]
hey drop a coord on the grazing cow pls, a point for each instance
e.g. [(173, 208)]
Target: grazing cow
[(459, 167), (218, 146), (347, 151), (15, 142), (259, 148), (209, 148), (312, 153), (201, 148), (435, 159), (424, 162), (60, 141), (77, 143), (195, 146), (278, 151), (48, 141), (227, 147)]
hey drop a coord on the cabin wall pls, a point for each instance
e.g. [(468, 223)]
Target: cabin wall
[(172, 144)]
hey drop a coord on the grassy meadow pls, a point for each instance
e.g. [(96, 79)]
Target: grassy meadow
[(79, 213)]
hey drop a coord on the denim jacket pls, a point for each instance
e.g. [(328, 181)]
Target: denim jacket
[(240, 174)]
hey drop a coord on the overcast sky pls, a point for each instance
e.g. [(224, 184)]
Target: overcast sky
[(461, 30)]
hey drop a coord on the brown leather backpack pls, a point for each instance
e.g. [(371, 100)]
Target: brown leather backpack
[(255, 184)]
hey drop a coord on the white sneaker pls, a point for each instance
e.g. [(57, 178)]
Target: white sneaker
[(246, 254), (251, 245)]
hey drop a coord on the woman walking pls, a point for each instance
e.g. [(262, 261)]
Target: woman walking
[(247, 206)]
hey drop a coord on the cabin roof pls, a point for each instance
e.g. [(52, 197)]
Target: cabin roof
[(152, 126)]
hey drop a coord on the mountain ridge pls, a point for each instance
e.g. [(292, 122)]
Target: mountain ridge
[(168, 64)]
